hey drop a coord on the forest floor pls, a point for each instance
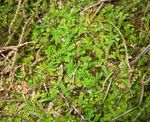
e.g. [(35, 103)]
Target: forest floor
[(77, 60)]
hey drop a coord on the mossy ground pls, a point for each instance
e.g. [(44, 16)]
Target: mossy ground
[(70, 61)]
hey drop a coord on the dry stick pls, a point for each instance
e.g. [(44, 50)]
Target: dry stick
[(13, 72), (142, 22), (76, 110), (91, 6), (6, 58), (14, 19), (126, 52), (106, 94), (11, 67), (46, 89), (73, 76), (13, 100), (36, 56), (140, 112), (7, 67), (146, 50), (124, 43), (72, 106), (20, 41), (20, 107), (123, 114), (106, 81), (15, 50), (101, 2), (61, 68), (148, 80), (23, 30), (100, 6), (12, 34), (3, 49), (142, 90), (140, 101)]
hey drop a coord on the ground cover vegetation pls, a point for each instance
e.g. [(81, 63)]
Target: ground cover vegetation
[(74, 60)]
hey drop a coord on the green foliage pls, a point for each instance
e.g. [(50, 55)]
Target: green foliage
[(77, 69)]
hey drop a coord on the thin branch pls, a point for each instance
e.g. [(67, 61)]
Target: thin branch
[(123, 114), (13, 100), (124, 43), (46, 89), (107, 91), (106, 81), (140, 112), (106, 94), (23, 30), (140, 101), (142, 90), (36, 56), (14, 49), (76, 110), (100, 6), (135, 61), (3, 49), (91, 6), (14, 19)]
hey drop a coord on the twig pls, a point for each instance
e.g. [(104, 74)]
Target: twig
[(140, 112), (123, 114), (107, 91), (23, 30), (135, 61), (91, 6), (100, 6), (72, 106), (141, 98), (14, 19), (148, 80), (142, 90), (46, 89), (3, 49), (142, 22), (106, 94), (36, 56), (6, 58), (14, 58), (106, 81), (13, 100), (82, 117), (12, 34), (14, 49), (124, 43)]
